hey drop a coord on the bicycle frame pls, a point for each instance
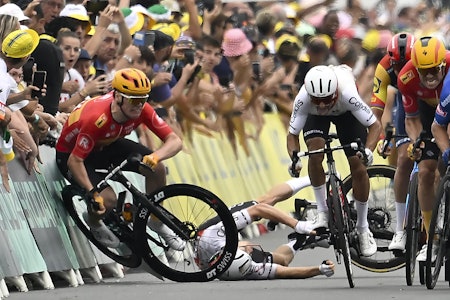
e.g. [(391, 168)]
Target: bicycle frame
[(339, 215)]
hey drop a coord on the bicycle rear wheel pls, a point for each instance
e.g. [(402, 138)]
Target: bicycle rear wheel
[(190, 206), (382, 220), (342, 223), (126, 254), (438, 234), (413, 230)]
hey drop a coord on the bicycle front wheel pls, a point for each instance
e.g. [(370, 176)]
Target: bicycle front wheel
[(382, 220), (438, 234), (126, 253), (342, 225), (413, 230), (189, 206)]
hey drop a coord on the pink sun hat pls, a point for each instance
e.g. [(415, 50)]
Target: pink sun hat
[(235, 43)]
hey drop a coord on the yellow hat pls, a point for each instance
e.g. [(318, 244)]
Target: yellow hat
[(286, 38), (324, 37), (20, 43), (171, 29), (185, 19), (77, 12), (133, 20), (92, 31), (371, 40)]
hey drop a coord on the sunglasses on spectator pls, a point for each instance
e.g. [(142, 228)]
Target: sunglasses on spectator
[(432, 71), (135, 100)]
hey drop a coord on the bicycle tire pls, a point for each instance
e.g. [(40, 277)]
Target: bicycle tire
[(381, 218), (127, 253), (439, 231), (341, 224), (191, 205), (413, 230)]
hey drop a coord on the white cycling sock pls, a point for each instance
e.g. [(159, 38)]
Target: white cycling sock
[(361, 211), (299, 183), (320, 193), (400, 210), (291, 246)]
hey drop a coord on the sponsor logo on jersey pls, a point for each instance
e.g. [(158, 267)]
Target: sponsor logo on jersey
[(101, 121), (407, 77)]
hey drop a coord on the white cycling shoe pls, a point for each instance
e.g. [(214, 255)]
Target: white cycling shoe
[(174, 242), (398, 241), (367, 243), (102, 233)]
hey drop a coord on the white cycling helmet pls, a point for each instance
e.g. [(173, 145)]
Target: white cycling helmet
[(240, 266), (321, 82)]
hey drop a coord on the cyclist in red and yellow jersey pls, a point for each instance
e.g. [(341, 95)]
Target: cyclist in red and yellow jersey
[(398, 54), (93, 138), (420, 82)]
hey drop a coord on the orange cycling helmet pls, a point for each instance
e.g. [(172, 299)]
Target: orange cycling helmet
[(428, 52), (131, 82)]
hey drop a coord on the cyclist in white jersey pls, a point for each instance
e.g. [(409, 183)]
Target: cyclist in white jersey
[(330, 95), (251, 261)]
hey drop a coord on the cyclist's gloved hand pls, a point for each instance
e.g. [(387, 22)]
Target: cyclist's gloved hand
[(381, 145), (327, 268), (446, 156), (296, 165), (413, 155), (369, 156), (151, 160), (98, 207)]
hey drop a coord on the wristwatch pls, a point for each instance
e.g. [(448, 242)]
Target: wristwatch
[(128, 59)]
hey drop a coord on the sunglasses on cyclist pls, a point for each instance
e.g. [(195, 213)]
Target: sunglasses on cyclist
[(432, 71), (135, 100), (325, 100)]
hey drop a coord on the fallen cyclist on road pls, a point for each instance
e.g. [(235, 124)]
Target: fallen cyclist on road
[(251, 262), (93, 138)]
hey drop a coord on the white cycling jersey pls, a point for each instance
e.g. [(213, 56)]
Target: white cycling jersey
[(212, 240), (348, 100)]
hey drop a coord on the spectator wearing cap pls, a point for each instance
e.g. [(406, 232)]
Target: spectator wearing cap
[(78, 16), (14, 10), (84, 65), (17, 47), (236, 48)]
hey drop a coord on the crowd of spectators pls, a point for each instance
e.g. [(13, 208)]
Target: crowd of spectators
[(213, 66)]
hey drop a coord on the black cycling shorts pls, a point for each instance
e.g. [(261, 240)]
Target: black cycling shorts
[(348, 129), (112, 154)]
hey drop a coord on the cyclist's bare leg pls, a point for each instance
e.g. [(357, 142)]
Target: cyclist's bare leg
[(154, 179), (315, 168), (285, 190), (426, 190), (266, 211), (283, 255), (277, 193)]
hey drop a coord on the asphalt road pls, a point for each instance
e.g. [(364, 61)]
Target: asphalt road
[(140, 285)]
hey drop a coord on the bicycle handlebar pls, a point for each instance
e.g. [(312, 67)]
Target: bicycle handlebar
[(357, 145)]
